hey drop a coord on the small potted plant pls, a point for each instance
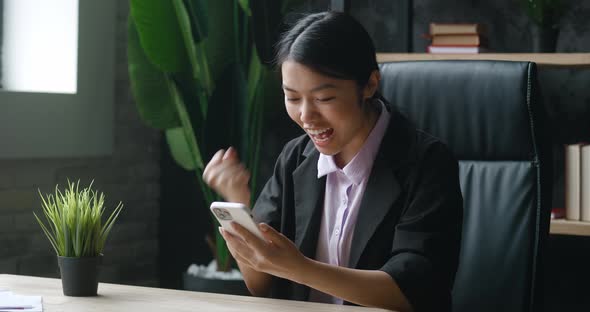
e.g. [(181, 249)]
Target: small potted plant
[(545, 15), (77, 234)]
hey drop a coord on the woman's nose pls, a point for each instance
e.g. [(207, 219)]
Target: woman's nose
[(307, 112)]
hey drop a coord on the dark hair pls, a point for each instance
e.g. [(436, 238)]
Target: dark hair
[(331, 43)]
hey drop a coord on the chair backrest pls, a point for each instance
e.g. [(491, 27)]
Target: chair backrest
[(490, 115)]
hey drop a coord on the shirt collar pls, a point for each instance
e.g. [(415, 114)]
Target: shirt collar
[(360, 165)]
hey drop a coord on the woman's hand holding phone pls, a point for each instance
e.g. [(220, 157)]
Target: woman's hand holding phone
[(275, 254), (227, 176)]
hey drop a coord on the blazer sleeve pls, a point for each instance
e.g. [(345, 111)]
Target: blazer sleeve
[(425, 251), (268, 205), (275, 195)]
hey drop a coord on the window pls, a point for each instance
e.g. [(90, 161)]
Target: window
[(57, 67), (39, 46)]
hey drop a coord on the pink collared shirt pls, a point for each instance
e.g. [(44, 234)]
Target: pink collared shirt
[(344, 191)]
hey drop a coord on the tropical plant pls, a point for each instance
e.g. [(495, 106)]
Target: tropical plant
[(544, 12), (200, 71), (74, 221)]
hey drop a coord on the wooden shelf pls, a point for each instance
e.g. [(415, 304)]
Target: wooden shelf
[(542, 59), (566, 227)]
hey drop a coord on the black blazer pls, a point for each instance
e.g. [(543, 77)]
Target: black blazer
[(409, 222)]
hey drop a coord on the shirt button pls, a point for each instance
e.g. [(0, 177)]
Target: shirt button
[(337, 232)]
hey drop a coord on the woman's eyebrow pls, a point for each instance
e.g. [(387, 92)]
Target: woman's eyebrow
[(318, 88)]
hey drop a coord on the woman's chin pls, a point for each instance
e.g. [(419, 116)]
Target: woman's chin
[(325, 148)]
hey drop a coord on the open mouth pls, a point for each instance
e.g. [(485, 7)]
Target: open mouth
[(320, 136)]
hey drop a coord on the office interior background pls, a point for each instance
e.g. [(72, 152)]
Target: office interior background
[(162, 229)]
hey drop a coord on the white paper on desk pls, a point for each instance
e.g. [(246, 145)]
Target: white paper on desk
[(9, 300)]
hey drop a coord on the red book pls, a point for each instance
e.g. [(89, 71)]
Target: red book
[(557, 213)]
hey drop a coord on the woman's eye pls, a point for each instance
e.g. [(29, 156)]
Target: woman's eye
[(325, 99), (292, 99)]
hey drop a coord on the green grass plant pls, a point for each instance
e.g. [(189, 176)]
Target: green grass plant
[(74, 220)]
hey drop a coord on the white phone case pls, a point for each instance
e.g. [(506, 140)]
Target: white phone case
[(226, 212)]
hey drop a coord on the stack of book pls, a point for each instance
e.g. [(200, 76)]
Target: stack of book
[(577, 182), (456, 38)]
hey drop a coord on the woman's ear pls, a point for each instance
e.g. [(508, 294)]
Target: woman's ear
[(372, 85)]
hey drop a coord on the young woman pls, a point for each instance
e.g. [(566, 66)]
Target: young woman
[(363, 208)]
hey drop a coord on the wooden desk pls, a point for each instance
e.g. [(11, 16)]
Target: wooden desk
[(112, 297)]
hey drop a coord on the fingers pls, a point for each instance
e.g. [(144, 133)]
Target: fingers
[(228, 176), (249, 238), (271, 235), (221, 156), (215, 160), (239, 250), (235, 174), (231, 182), (231, 154)]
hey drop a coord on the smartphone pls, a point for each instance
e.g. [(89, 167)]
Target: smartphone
[(226, 212)]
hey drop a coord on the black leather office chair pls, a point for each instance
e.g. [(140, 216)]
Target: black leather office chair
[(490, 115)]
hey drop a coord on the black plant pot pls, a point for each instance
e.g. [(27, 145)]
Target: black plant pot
[(229, 287), (544, 38), (79, 276)]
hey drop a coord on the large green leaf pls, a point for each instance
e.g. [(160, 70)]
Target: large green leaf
[(197, 10), (194, 50), (268, 98), (179, 148), (159, 34), (219, 45), (204, 50), (186, 123), (245, 5), (254, 76), (148, 85)]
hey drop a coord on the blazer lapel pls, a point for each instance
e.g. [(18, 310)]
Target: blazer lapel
[(309, 198), (381, 192), (383, 188)]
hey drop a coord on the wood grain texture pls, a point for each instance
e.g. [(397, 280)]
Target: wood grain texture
[(542, 59), (567, 227), (113, 297)]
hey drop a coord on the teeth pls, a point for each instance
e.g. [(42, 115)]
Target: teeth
[(317, 132), (319, 135)]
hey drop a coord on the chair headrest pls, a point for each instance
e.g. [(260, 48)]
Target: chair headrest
[(482, 109)]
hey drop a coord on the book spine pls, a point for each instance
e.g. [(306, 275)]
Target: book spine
[(456, 45), (452, 50), (453, 29), (572, 182), (585, 183)]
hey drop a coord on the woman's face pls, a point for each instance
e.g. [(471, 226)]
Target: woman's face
[(329, 110)]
